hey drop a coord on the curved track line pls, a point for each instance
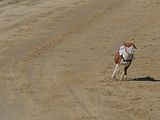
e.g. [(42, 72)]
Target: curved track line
[(35, 52)]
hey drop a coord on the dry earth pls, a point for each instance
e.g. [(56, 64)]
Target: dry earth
[(56, 59)]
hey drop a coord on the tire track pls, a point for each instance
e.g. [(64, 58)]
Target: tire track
[(37, 51), (40, 50)]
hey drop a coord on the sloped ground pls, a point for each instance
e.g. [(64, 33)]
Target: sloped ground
[(57, 59)]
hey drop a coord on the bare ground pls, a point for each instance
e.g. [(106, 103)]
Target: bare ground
[(57, 59)]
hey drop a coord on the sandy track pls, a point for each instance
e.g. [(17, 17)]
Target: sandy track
[(57, 59)]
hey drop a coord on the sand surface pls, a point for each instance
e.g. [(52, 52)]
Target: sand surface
[(56, 59)]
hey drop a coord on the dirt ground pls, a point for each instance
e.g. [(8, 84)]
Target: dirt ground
[(56, 59)]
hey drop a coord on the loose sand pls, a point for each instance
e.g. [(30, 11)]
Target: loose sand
[(56, 59)]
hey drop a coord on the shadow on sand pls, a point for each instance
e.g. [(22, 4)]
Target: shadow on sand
[(145, 78)]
